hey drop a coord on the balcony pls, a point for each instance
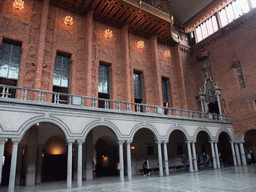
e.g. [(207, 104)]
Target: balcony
[(63, 100)]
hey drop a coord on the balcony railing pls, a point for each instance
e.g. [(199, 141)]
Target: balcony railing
[(64, 99)]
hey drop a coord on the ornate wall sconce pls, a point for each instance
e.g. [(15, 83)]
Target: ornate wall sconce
[(68, 20), (140, 44), (167, 53), (18, 4), (108, 33)]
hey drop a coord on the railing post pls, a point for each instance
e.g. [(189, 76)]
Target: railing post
[(55, 98), (3, 92), (177, 112), (70, 99), (82, 101), (58, 98), (21, 97), (39, 96), (128, 107), (42, 98), (184, 113), (117, 105), (147, 109), (26, 93), (7, 92)]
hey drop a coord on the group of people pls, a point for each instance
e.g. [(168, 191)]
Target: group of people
[(206, 160)]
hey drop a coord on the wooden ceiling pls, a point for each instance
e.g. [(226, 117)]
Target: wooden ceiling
[(123, 12)]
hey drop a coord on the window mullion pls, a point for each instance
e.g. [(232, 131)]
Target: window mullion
[(10, 61)]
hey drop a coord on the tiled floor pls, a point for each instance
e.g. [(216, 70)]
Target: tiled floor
[(230, 179)]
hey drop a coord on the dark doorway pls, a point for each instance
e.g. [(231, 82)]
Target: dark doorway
[(213, 107), (225, 149)]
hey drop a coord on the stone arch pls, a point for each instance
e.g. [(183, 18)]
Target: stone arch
[(107, 124), (136, 128), (179, 128), (199, 129), (243, 133), (225, 131), (28, 124)]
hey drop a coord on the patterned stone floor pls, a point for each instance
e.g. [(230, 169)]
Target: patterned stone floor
[(229, 179)]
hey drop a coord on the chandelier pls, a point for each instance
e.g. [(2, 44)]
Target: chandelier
[(108, 33), (167, 53), (68, 20), (140, 44), (18, 4)]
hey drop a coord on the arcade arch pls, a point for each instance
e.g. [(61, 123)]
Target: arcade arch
[(250, 141)]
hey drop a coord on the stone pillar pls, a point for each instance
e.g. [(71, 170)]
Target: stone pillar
[(89, 55), (89, 157), (213, 156), (74, 161), (39, 163), (121, 160), (160, 162), (129, 161), (237, 154), (190, 157), (166, 158), (155, 66), (2, 143), (70, 156), (128, 75), (233, 153), (31, 156), (41, 45), (242, 153), (194, 156), (80, 163), (217, 154), (13, 165)]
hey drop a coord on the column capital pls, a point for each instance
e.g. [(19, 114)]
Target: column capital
[(240, 141), (128, 141), (80, 141), (121, 142), (70, 141), (15, 140), (3, 140), (189, 141), (159, 142), (165, 141)]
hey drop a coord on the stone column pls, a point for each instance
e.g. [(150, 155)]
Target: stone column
[(166, 158), (160, 158), (39, 163), (233, 153), (41, 44), (2, 143), (70, 156), (237, 154), (13, 165), (129, 161), (242, 153), (190, 157), (126, 52), (194, 155), (217, 154), (121, 160), (80, 163), (31, 156), (74, 161), (156, 67), (213, 156)]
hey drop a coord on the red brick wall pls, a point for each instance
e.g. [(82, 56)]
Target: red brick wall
[(237, 42)]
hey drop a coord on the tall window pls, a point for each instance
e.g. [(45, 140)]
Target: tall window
[(240, 77), (137, 83), (103, 83), (165, 92), (61, 76), (10, 57)]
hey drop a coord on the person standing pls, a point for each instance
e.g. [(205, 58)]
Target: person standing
[(205, 160), (221, 161), (145, 167), (184, 160), (252, 161)]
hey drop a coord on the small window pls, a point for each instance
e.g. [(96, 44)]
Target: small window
[(150, 150), (240, 77), (137, 82)]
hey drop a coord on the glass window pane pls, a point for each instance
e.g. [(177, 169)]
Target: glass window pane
[(204, 30), (137, 86), (10, 56), (214, 23), (61, 71), (209, 26), (253, 3), (230, 13), (223, 18), (103, 79), (165, 90), (199, 34)]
